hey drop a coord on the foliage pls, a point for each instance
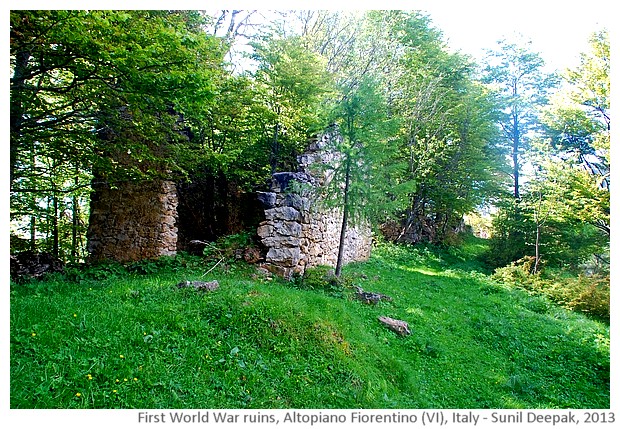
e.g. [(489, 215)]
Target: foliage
[(563, 216), (590, 81), (545, 224), (137, 341), (322, 278), (290, 85), (105, 92), (586, 294), (577, 130), (227, 247), (112, 270), (360, 176), (447, 140), (434, 146), (508, 241), (516, 73)]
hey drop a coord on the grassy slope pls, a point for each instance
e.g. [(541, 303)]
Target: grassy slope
[(138, 342)]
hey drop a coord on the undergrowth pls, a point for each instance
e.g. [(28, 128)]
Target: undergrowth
[(587, 294)]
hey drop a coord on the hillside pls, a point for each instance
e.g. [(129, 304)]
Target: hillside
[(118, 338)]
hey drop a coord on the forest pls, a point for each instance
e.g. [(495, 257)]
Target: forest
[(439, 150), (133, 95)]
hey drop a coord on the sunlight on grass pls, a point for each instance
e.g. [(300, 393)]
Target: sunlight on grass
[(421, 271)]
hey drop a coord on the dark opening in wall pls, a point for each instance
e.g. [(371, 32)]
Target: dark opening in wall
[(211, 206)]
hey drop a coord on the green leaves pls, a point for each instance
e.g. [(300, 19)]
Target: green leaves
[(516, 73), (111, 91), (291, 83)]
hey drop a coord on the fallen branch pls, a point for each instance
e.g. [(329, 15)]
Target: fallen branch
[(213, 267)]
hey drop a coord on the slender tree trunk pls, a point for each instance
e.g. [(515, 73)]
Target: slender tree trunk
[(74, 228), (55, 238), (345, 217), (33, 233), (16, 107), (75, 219), (515, 156), (275, 149), (537, 260), (539, 224), (275, 143)]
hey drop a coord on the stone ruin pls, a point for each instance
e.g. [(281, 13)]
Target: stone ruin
[(297, 232), (136, 221), (133, 221)]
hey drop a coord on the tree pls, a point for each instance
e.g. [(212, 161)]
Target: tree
[(444, 151), (360, 179), (590, 81), (290, 83), (447, 138), (577, 127), (579, 122), (563, 206), (132, 77), (563, 216), (522, 87)]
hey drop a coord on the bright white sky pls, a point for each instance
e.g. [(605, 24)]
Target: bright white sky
[(559, 30)]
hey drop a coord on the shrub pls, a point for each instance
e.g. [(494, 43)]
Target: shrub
[(96, 271), (229, 247), (518, 272), (592, 297), (150, 266), (586, 294), (322, 278)]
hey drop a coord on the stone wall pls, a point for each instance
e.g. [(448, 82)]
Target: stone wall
[(297, 233), (132, 222), (136, 221)]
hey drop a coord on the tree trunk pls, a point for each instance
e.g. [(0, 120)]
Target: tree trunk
[(274, 149), (75, 222), (515, 156), (74, 228), (539, 224), (33, 233), (345, 217), (537, 260), (16, 107), (55, 238)]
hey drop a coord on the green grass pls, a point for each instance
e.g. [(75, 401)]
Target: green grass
[(134, 340)]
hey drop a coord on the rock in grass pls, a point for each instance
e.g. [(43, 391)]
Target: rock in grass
[(370, 297), (399, 326), (201, 286)]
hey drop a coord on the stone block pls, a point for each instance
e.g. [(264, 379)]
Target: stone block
[(283, 213), (281, 181), (287, 228), (265, 230), (281, 241), (286, 256), (268, 199), (295, 201)]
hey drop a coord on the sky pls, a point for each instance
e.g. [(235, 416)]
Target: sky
[(559, 30)]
